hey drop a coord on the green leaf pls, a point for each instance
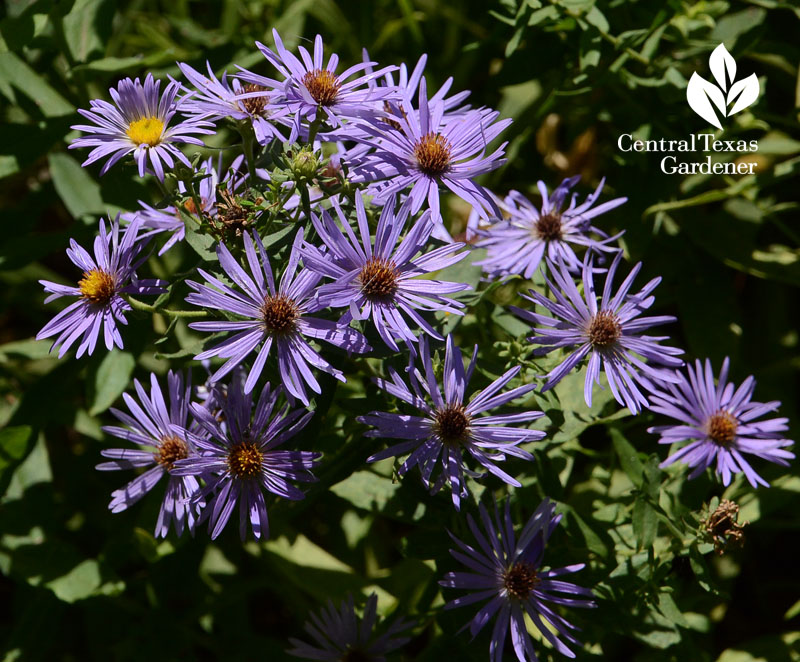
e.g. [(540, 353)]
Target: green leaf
[(645, 523), (110, 380), (366, 490), (87, 27), (628, 457), (17, 75), (79, 583), (15, 443), (203, 244), (77, 189)]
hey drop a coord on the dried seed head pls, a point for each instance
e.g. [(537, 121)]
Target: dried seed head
[(378, 278), (97, 286), (279, 314), (452, 423), (433, 154), (548, 227), (723, 526), (520, 579), (323, 86), (604, 329), (170, 450), (721, 428), (244, 460)]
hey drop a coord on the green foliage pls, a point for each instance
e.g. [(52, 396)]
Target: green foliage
[(79, 582)]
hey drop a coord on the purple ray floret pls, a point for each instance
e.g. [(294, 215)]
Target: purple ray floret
[(720, 423), (216, 98), (451, 428), (422, 150), (609, 333), (379, 279), (507, 571), (161, 427), (312, 88), (106, 276), (517, 244), (241, 459), (271, 316), (339, 634), (140, 122)]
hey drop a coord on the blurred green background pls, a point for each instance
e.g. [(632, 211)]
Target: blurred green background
[(80, 584)]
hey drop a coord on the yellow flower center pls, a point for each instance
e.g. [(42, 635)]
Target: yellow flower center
[(244, 460), (97, 286), (146, 131)]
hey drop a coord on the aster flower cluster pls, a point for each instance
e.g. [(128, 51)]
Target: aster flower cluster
[(324, 253)]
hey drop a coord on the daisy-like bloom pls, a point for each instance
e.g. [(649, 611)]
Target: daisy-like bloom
[(408, 87), (216, 98), (161, 428), (721, 424), (450, 428), (517, 244), (507, 571), (169, 219), (138, 123), (106, 276), (339, 635), (378, 279), (311, 88), (609, 333), (421, 151), (241, 458), (270, 315)]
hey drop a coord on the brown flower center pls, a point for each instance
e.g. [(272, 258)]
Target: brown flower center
[(244, 460), (323, 86), (604, 329), (279, 314), (548, 227), (432, 153), (170, 450), (452, 423), (378, 278), (520, 579), (254, 105), (722, 428), (97, 286)]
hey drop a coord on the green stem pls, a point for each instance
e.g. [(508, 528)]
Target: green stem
[(147, 308)]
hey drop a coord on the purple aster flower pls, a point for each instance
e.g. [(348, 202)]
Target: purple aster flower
[(111, 273), (241, 458), (161, 428), (311, 88), (421, 151), (720, 422), (139, 124), (611, 334), (271, 316), (507, 571), (169, 219), (408, 87), (449, 427), (339, 634), (516, 245), (378, 279), (215, 99)]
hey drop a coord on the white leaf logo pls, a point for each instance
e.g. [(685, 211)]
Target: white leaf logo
[(727, 93)]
